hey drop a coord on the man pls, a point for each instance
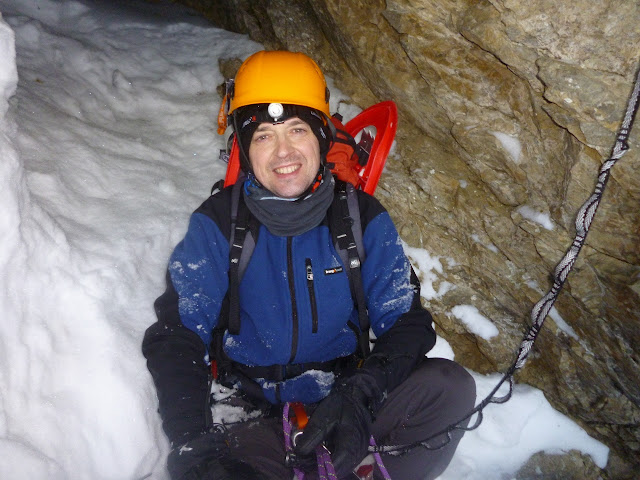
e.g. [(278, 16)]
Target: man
[(299, 336)]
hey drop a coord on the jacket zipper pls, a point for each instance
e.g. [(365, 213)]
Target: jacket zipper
[(312, 296), (294, 308)]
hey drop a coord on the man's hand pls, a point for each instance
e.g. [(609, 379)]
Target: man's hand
[(208, 457), (190, 460), (343, 421)]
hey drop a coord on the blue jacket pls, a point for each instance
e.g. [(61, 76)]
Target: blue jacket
[(287, 316)]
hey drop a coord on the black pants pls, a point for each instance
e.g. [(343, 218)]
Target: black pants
[(438, 393)]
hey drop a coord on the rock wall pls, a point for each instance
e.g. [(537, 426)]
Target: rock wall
[(507, 107)]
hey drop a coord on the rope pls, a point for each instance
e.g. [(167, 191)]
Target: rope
[(582, 223), (288, 444), (326, 471), (378, 458), (543, 307), (325, 465)]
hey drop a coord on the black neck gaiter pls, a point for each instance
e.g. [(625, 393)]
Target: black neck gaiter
[(286, 217)]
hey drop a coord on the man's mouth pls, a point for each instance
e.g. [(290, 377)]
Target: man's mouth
[(286, 169)]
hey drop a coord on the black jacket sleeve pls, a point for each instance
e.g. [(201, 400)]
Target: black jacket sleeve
[(397, 353), (176, 354), (175, 357)]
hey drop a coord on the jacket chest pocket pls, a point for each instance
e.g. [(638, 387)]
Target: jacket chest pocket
[(329, 296), (312, 295)]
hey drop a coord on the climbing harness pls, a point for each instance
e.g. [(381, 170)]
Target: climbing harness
[(326, 470), (543, 307)]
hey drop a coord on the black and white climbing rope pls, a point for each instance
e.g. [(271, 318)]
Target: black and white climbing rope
[(583, 222)]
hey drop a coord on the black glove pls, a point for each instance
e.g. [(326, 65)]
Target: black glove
[(208, 457), (343, 421), (223, 468)]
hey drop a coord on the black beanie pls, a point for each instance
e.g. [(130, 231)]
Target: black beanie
[(247, 119)]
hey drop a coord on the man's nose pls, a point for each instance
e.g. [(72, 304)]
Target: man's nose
[(284, 146)]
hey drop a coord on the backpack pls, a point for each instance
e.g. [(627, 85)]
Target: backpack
[(356, 165)]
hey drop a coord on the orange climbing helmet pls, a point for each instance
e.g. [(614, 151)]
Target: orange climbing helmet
[(280, 77), (273, 86)]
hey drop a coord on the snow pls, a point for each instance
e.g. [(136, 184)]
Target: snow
[(535, 216), (107, 144), (511, 144), (427, 267), (515, 430), (476, 323), (489, 246), (562, 324)]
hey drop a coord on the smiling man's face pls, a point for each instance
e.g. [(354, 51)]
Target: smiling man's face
[(285, 157)]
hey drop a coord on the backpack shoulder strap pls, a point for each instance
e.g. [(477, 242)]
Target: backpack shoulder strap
[(346, 231), (241, 225), (242, 242), (356, 223)]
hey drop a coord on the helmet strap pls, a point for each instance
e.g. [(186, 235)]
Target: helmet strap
[(245, 163)]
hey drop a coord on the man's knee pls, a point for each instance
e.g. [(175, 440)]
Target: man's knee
[(438, 393), (450, 382), (452, 375)]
